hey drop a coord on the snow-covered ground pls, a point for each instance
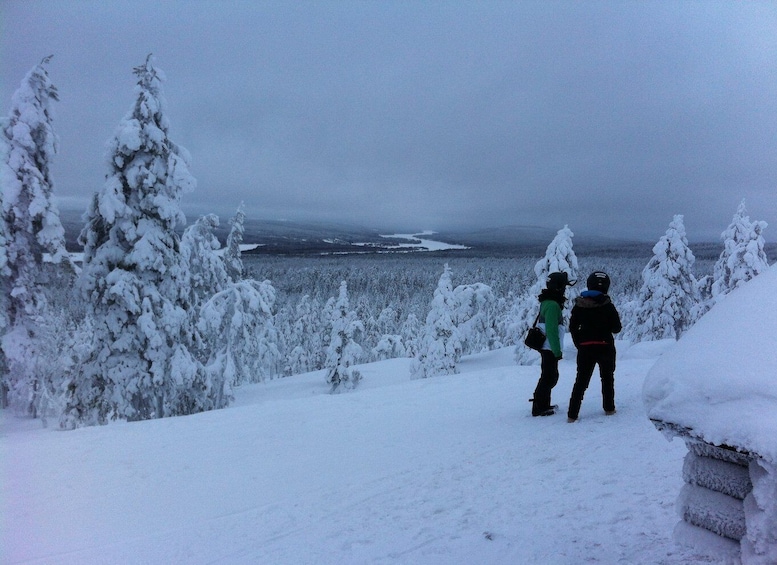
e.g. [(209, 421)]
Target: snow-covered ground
[(444, 470)]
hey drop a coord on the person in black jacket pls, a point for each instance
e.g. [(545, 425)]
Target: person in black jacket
[(593, 320)]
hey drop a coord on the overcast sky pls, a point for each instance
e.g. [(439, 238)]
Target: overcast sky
[(610, 117)]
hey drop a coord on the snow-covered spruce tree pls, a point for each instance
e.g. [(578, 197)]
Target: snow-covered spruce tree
[(743, 255), (199, 246), (34, 249), (135, 278), (439, 349), (559, 258), (233, 260), (343, 351), (237, 326), (665, 305)]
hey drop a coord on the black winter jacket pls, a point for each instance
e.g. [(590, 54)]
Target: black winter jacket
[(594, 319)]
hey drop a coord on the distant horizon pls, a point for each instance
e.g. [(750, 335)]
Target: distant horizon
[(542, 235), (192, 211)]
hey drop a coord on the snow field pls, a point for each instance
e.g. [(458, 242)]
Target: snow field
[(444, 470)]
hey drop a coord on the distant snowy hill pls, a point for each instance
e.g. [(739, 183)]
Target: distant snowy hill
[(278, 237), (442, 470)]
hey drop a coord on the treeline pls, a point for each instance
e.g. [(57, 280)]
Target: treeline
[(392, 293)]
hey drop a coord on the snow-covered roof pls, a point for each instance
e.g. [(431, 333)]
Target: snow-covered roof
[(720, 379)]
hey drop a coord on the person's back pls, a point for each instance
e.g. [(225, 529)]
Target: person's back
[(594, 319), (592, 323)]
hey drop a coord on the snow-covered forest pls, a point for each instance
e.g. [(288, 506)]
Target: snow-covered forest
[(155, 324)]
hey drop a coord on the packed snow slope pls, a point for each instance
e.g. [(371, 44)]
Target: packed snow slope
[(443, 470)]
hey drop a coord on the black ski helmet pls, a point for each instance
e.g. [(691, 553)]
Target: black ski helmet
[(598, 280), (558, 281)]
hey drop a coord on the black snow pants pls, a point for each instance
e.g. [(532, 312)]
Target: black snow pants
[(548, 379), (588, 356)]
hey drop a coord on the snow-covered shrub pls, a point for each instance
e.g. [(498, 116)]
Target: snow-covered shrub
[(390, 346), (62, 343), (237, 327), (343, 351)]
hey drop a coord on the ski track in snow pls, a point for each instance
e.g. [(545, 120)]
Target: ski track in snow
[(443, 470)]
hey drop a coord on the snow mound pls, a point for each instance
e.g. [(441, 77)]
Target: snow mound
[(720, 379)]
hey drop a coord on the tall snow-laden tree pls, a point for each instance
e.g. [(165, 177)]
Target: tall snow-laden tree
[(136, 279), (34, 244), (743, 255), (343, 351), (237, 324), (233, 260), (439, 350), (559, 258), (665, 305)]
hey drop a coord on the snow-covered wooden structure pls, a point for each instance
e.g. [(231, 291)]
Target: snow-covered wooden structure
[(716, 388), (717, 482)]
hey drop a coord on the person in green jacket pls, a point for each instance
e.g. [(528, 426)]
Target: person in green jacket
[(552, 323)]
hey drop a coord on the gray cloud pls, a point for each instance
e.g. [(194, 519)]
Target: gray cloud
[(607, 116)]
